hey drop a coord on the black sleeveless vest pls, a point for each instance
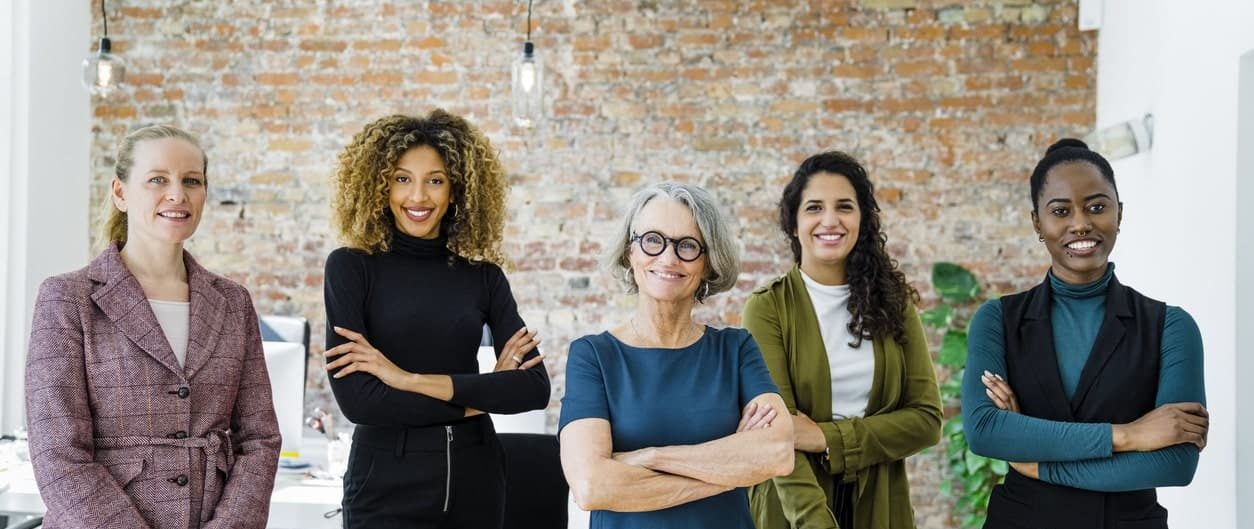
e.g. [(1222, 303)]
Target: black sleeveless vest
[(1118, 384)]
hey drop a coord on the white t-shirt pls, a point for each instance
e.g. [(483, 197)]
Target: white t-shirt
[(852, 369), (175, 318)]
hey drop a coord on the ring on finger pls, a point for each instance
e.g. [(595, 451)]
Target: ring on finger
[(518, 359)]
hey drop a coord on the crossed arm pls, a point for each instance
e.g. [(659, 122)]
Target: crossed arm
[(659, 477), (1159, 449), (391, 395)]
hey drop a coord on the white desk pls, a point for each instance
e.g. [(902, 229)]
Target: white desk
[(293, 505)]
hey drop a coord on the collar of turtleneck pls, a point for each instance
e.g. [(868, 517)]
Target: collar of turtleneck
[(1087, 290), (410, 246)]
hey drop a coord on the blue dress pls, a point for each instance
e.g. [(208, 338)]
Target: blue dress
[(664, 397)]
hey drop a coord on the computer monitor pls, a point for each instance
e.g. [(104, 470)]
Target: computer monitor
[(285, 362)]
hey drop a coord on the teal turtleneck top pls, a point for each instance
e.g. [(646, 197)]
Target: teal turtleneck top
[(1080, 454)]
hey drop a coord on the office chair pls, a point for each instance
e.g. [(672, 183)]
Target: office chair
[(535, 488)]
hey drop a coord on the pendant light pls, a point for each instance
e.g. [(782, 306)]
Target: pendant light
[(103, 72), (528, 82), (1124, 139)]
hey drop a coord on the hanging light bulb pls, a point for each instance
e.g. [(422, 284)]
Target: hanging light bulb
[(528, 83), (103, 72)]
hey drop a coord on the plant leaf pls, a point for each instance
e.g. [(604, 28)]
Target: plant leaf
[(951, 388), (953, 352), (1000, 467), (954, 283), (972, 483), (938, 317), (953, 426)]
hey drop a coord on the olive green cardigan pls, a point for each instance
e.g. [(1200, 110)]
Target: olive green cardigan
[(903, 416)]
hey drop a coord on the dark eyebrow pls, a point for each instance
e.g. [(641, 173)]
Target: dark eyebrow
[(1086, 199), (1066, 200)]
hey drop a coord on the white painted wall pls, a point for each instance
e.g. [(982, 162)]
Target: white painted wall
[(44, 159), (7, 39), (1179, 61), (1245, 294)]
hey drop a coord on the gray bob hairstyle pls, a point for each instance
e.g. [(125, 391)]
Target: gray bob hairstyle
[(723, 257)]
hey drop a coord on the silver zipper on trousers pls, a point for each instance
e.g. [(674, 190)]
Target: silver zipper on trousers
[(448, 465)]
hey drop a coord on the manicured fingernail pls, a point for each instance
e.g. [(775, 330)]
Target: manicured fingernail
[(998, 377)]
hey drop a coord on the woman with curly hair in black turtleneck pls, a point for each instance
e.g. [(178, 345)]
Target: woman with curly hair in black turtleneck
[(844, 343), (419, 202)]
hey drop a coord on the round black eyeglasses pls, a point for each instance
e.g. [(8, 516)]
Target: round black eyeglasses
[(652, 243)]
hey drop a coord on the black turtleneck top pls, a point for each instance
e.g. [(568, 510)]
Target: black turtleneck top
[(426, 313)]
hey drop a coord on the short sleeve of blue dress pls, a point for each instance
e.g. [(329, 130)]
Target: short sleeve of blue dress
[(663, 397)]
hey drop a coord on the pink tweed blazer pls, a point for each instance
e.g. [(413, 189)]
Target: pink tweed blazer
[(120, 435)]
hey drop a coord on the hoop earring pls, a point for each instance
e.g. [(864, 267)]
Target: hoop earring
[(703, 292), (1040, 237)]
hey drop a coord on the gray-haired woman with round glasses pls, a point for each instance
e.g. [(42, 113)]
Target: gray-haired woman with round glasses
[(665, 421)]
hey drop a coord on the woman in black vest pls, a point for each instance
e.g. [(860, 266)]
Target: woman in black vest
[(1091, 390)]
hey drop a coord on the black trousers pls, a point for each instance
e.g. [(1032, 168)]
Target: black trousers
[(433, 477), (842, 503)]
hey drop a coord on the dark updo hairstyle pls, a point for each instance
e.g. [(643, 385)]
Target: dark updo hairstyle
[(878, 291), (1068, 150)]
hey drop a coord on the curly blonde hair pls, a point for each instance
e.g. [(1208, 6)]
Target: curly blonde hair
[(475, 220)]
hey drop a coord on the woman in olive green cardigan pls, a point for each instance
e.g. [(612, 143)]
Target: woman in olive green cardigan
[(859, 410)]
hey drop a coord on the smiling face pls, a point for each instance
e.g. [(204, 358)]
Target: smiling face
[(419, 192), (164, 193), (827, 226), (1078, 216), (665, 277)]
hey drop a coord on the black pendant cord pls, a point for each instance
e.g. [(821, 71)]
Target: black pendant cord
[(105, 17), (528, 19)]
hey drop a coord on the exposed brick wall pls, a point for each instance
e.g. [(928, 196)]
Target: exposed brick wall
[(949, 104)]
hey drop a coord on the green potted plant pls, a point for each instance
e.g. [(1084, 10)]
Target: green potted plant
[(974, 475)]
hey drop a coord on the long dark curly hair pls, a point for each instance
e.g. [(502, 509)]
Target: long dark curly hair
[(878, 291), (475, 221)]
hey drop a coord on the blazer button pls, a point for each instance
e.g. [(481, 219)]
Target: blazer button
[(184, 392), (178, 435), (180, 480)]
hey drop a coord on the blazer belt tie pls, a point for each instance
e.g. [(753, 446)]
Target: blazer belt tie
[(216, 445)]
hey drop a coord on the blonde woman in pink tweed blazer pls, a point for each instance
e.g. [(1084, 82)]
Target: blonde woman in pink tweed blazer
[(125, 432)]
